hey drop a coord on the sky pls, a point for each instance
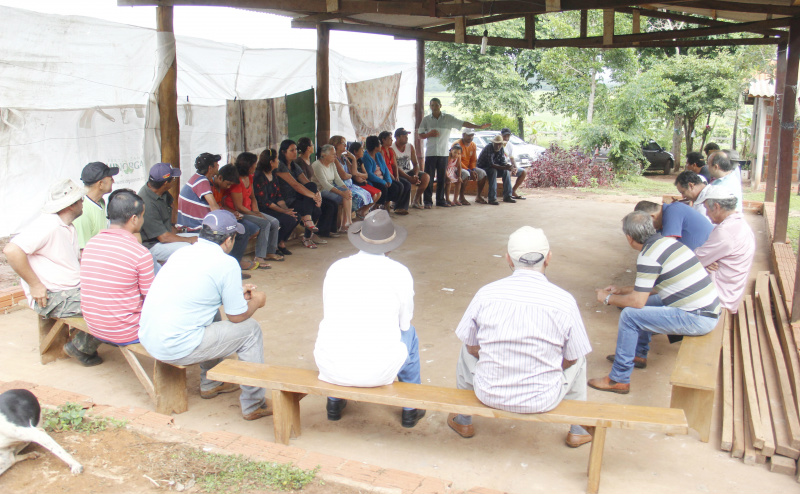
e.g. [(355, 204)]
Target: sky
[(228, 25)]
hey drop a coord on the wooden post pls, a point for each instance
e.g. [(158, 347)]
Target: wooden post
[(323, 93), (785, 158), (530, 30), (584, 23), (608, 27), (419, 106), (168, 108), (775, 131), (761, 122), (460, 26)]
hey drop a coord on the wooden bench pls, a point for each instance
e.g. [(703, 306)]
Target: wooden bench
[(167, 388), (290, 385), (694, 379)]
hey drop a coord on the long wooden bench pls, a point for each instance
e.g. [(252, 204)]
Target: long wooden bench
[(290, 385), (694, 379), (167, 388)]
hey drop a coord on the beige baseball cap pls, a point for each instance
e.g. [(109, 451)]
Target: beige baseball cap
[(528, 245)]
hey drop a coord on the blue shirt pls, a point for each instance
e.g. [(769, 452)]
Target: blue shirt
[(185, 297), (685, 224), (369, 166)]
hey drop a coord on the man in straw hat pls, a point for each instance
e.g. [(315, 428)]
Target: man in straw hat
[(370, 346), (493, 161), (45, 256), (525, 345)]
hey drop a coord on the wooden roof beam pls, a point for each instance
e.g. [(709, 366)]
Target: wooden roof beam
[(752, 8), (347, 7), (701, 21), (517, 7), (475, 22)]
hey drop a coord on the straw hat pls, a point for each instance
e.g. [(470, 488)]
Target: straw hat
[(376, 234), (62, 194)]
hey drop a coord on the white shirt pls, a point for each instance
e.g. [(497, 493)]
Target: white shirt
[(525, 327), (359, 336), (404, 157), (52, 249), (509, 148), (733, 181), (439, 145)]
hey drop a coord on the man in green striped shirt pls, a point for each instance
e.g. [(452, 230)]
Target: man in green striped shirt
[(673, 294), (98, 179)]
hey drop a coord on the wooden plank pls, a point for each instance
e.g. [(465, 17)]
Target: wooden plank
[(286, 415), (435, 398), (596, 459), (788, 342), (608, 27), (781, 464), (138, 349), (141, 375), (738, 394), (698, 359), (53, 334), (765, 442), (51, 343), (726, 436), (784, 398), (752, 416), (698, 405), (77, 323), (749, 457), (783, 440), (169, 382)]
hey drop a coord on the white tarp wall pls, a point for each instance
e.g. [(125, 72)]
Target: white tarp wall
[(74, 89)]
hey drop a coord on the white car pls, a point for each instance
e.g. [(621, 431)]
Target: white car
[(524, 152)]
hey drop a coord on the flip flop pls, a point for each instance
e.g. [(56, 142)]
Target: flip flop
[(309, 244), (515, 196), (252, 265), (274, 257), (465, 203), (262, 264)]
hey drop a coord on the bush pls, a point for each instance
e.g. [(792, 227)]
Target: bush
[(561, 168), (497, 120), (624, 148)]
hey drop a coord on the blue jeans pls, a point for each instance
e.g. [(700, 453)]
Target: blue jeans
[(410, 371), (636, 326), (491, 176), (240, 242)]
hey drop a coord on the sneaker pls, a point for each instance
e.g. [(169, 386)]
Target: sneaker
[(411, 417), (222, 388), (85, 359), (264, 410), (334, 409), (508, 199)]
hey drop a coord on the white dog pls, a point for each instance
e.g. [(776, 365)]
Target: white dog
[(19, 416)]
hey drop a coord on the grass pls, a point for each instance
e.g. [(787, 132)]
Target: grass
[(793, 225), (72, 417), (224, 474), (635, 186)]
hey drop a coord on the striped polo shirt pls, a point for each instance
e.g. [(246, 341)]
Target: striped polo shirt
[(192, 205), (116, 273), (670, 269)]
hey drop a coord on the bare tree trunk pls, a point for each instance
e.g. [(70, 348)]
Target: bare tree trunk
[(706, 132), (677, 132), (590, 112), (736, 123), (521, 125), (688, 128)]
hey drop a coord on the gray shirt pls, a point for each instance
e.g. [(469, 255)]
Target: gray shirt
[(157, 215), (439, 145)]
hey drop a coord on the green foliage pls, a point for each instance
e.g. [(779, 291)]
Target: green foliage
[(226, 474), (498, 121), (72, 417)]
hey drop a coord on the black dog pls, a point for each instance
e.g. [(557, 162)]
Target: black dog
[(19, 416)]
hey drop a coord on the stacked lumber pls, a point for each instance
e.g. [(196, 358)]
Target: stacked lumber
[(761, 381), (10, 297)]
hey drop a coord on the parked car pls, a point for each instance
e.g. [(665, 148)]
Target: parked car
[(657, 157), (524, 152)]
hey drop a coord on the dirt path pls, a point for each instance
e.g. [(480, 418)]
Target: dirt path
[(461, 249)]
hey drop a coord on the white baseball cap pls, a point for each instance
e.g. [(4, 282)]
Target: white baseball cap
[(525, 243)]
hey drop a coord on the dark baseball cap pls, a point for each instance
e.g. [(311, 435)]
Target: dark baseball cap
[(401, 132), (96, 171), (206, 159), (222, 222), (505, 131), (163, 171)]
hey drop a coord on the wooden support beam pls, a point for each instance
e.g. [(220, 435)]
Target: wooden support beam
[(584, 24), (753, 427), (726, 436), (637, 22), (608, 27), (333, 5), (788, 343), (479, 21), (775, 130), (766, 441), (530, 30), (786, 156), (737, 451), (168, 107), (419, 106), (460, 29), (689, 19), (552, 5), (323, 91)]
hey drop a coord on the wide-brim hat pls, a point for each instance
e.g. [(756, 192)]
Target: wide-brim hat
[(377, 234), (62, 194)]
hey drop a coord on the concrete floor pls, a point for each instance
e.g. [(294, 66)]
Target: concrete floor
[(461, 249)]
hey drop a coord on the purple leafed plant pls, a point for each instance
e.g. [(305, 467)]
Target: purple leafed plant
[(561, 168)]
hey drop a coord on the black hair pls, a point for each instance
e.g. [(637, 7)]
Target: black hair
[(456, 146), (354, 147), (303, 144), (687, 177), (372, 143), (436, 100), (157, 184), (229, 173), (206, 233), (266, 157), (696, 158), (711, 146), (202, 163), (648, 207), (122, 205), (285, 145), (383, 135), (244, 162)]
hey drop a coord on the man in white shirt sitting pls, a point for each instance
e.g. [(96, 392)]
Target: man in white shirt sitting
[(369, 346)]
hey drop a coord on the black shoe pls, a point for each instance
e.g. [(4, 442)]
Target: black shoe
[(411, 417), (508, 199), (494, 203), (84, 358), (334, 408), (284, 251)]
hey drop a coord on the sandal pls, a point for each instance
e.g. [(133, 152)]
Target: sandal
[(248, 265), (456, 203), (261, 263), (417, 205), (310, 226), (308, 243), (316, 239), (464, 202), (274, 257), (481, 200)]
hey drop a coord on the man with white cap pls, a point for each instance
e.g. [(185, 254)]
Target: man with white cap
[(729, 251), (181, 323), (369, 346), (469, 166), (45, 255), (98, 179), (158, 233), (524, 344)]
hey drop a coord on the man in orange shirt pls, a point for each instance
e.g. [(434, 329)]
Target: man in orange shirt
[(469, 169)]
